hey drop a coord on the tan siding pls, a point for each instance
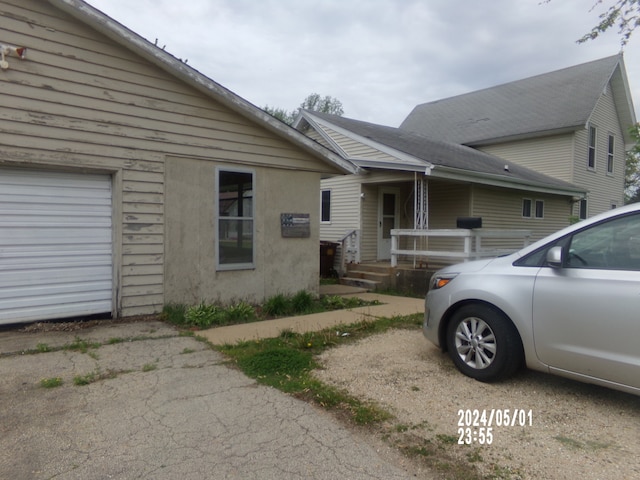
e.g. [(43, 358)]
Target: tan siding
[(550, 155), (355, 148), (345, 207), (502, 209), (369, 239), (604, 189), (80, 100), (314, 135)]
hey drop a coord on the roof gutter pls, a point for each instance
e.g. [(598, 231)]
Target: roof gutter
[(142, 47), (505, 182)]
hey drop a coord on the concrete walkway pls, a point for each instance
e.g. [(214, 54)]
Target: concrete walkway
[(161, 406), (390, 306)]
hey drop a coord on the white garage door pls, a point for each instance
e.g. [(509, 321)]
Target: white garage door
[(56, 248)]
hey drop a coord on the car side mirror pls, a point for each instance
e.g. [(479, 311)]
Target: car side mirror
[(554, 257)]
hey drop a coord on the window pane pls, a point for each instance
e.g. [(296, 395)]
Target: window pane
[(526, 207), (235, 197), (539, 209), (613, 245), (388, 204), (592, 147), (326, 206), (583, 209), (235, 218), (236, 241)]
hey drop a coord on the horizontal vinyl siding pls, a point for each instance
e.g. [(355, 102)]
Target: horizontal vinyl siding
[(345, 207), (550, 155), (354, 148), (502, 209), (604, 188), (80, 101)]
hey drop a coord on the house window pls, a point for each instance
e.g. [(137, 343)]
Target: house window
[(583, 209), (531, 208), (610, 154), (591, 162), (325, 209), (235, 226)]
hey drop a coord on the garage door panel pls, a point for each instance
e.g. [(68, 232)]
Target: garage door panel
[(12, 279), (51, 311), (56, 249)]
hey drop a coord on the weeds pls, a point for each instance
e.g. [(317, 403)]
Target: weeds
[(51, 382), (206, 315)]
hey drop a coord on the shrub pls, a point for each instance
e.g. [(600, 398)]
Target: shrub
[(302, 302), (203, 315), (174, 313), (240, 312), (277, 306)]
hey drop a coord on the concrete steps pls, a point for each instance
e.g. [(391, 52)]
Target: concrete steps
[(368, 276)]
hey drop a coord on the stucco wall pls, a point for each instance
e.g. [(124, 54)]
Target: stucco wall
[(282, 265)]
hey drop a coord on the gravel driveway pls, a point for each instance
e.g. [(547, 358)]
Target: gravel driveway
[(567, 430)]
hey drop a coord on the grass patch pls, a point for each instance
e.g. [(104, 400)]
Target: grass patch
[(95, 376), (148, 367), (51, 382), (286, 363), (81, 345)]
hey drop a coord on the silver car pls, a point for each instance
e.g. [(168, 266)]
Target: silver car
[(568, 304)]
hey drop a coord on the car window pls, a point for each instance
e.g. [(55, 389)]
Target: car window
[(611, 245)]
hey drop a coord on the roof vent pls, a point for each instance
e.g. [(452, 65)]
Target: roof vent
[(506, 168)]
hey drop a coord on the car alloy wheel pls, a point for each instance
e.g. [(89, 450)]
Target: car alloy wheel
[(475, 343), (483, 343)]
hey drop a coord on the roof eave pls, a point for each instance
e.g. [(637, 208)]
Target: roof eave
[(150, 52), (505, 182)]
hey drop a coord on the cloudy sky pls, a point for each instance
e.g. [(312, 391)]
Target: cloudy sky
[(380, 58)]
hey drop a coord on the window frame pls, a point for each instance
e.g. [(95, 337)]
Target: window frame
[(323, 204), (527, 208), (610, 153), (538, 209), (218, 218), (592, 142), (583, 209)]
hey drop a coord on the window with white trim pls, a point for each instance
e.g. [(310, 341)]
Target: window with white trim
[(532, 209), (235, 222), (325, 207), (610, 150), (591, 160)]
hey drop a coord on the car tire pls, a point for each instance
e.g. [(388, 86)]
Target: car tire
[(483, 343)]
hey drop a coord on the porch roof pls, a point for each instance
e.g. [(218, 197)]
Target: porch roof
[(442, 159)]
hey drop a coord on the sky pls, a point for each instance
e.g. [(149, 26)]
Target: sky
[(379, 58)]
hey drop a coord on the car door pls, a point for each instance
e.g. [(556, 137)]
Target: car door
[(585, 313)]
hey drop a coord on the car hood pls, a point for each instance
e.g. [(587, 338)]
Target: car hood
[(468, 267)]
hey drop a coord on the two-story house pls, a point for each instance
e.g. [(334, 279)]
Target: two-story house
[(530, 155)]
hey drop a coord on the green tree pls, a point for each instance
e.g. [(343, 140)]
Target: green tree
[(623, 13), (632, 170), (314, 102), (280, 114), (326, 104)]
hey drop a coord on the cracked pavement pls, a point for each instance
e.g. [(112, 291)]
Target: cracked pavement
[(161, 406)]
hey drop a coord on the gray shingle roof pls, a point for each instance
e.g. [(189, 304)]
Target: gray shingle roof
[(443, 154), (553, 102)]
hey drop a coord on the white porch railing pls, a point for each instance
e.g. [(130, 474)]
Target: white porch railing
[(472, 245)]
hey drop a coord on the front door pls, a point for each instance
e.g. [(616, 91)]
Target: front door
[(388, 219)]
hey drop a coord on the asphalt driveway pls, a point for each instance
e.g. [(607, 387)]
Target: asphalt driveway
[(158, 405)]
